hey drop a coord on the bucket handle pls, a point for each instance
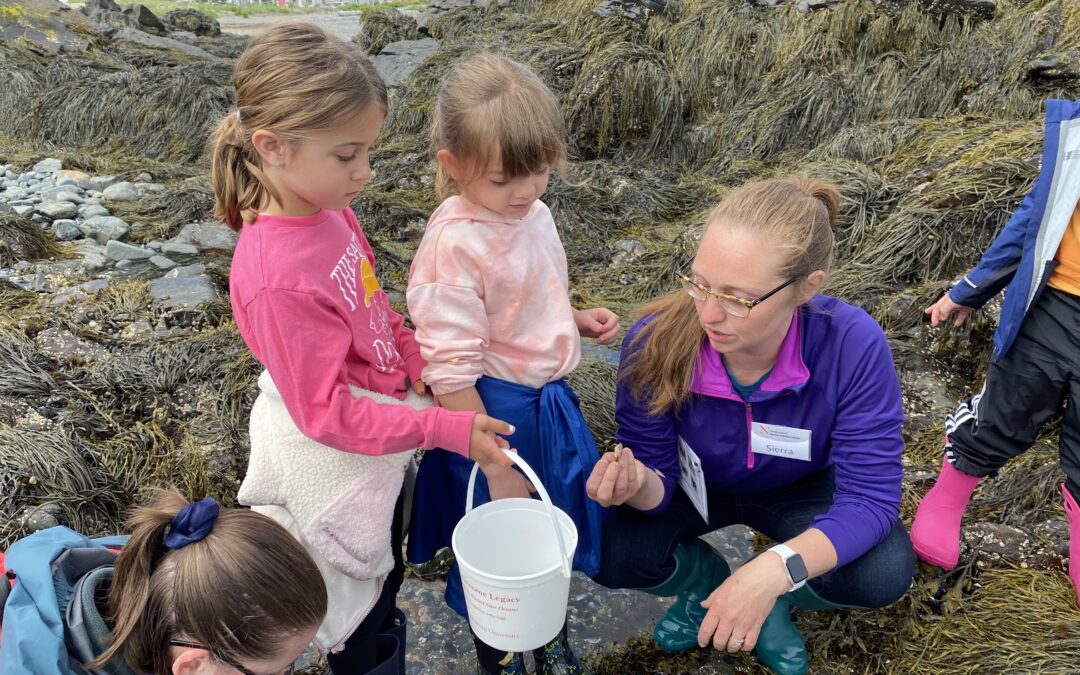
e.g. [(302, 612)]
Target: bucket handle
[(517, 459)]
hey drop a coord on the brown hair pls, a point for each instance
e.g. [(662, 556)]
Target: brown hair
[(293, 79), (796, 213), (490, 105), (239, 590)]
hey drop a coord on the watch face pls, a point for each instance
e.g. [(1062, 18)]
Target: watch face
[(796, 569)]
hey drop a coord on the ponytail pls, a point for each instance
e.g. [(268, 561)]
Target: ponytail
[(241, 583), (239, 184)]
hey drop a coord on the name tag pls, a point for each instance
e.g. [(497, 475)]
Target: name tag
[(778, 441), (692, 479)]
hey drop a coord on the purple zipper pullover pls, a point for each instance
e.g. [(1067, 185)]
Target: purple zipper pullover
[(834, 375)]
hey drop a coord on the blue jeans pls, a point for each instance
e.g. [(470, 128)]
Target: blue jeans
[(637, 549)]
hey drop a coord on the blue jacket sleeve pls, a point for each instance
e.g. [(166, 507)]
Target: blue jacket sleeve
[(998, 265), (866, 446), (652, 439)]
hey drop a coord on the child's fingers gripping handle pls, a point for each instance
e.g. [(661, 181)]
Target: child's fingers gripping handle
[(486, 446)]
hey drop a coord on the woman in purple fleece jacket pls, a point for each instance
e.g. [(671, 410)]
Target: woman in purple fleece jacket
[(748, 397)]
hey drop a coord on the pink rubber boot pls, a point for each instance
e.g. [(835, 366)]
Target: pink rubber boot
[(935, 534), (1072, 512)]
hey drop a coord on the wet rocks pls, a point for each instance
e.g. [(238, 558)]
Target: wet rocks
[(398, 60), (637, 11)]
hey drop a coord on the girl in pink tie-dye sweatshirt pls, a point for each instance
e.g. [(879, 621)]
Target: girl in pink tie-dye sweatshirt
[(488, 293)]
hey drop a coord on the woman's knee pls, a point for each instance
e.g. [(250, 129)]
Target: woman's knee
[(878, 578)]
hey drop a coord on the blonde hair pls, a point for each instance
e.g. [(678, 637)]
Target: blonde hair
[(242, 589), (492, 106), (796, 214), (293, 79)]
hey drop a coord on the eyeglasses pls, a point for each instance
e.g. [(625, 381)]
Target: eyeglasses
[(731, 304), (227, 661)]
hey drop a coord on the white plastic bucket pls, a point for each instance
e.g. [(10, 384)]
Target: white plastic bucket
[(515, 557)]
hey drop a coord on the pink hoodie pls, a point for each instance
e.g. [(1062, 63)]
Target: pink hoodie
[(489, 295), (308, 305)]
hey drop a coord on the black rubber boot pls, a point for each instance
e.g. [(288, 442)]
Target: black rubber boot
[(390, 654), (398, 631), (491, 661), (556, 658)]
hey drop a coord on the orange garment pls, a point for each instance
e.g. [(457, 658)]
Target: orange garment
[(1066, 276)]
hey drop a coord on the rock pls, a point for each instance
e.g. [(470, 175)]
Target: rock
[(66, 230), (99, 183), (637, 11), (172, 248), (143, 177), (118, 250), (436, 7), (79, 293), (94, 262), (999, 542), (150, 188), (23, 209), (48, 166), (76, 177), (173, 293), (121, 192), (58, 210), (104, 228), (214, 237), (5, 207), (63, 346), (627, 251), (15, 192), (62, 193), (93, 210), (981, 8), (137, 329), (162, 42), (398, 60), (35, 518), (161, 262), (41, 25), (186, 271), (1059, 67), (808, 5), (192, 21), (145, 20)]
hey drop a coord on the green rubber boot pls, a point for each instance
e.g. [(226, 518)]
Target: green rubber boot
[(699, 569), (780, 645)]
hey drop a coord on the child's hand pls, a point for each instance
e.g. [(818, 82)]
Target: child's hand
[(504, 482), (419, 387), (485, 447), (599, 322), (944, 308)]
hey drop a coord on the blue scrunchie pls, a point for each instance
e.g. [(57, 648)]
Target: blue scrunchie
[(192, 523)]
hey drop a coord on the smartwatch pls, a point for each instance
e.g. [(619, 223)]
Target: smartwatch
[(793, 563)]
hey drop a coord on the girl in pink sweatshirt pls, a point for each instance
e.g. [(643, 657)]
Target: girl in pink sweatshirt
[(341, 404), (488, 294)]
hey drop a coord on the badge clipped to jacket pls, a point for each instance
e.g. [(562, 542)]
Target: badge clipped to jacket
[(778, 441)]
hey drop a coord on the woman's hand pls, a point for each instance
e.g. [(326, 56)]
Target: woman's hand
[(941, 310), (599, 322), (616, 477), (738, 607), (484, 446)]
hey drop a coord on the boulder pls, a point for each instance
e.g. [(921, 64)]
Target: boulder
[(398, 60), (192, 21)]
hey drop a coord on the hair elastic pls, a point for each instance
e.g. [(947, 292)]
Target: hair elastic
[(192, 523)]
